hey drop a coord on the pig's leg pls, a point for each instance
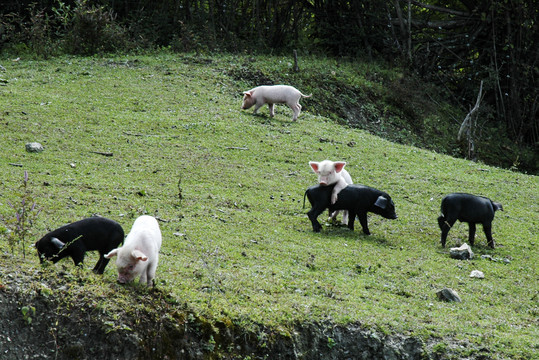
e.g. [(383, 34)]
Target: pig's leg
[(332, 215), (313, 215), (471, 234), (143, 276), (487, 228), (151, 272), (340, 184), (351, 219), (296, 108), (345, 217), (257, 106), (271, 110), (363, 221), (445, 226), (101, 264), (77, 254)]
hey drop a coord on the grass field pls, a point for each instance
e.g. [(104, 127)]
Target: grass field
[(228, 188)]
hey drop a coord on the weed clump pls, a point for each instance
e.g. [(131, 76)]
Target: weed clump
[(19, 224)]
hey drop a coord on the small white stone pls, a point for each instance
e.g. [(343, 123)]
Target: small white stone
[(477, 274)]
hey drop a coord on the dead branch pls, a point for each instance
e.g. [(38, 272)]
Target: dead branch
[(440, 9), (149, 135), (469, 124), (438, 24), (102, 153), (466, 124)]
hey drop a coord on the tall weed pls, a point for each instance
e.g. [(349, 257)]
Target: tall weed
[(19, 224)]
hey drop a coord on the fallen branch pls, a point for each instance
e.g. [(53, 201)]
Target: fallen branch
[(132, 134), (14, 164), (149, 135), (236, 148), (102, 153)]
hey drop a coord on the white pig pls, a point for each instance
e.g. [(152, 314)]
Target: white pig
[(140, 253), (329, 173), (273, 94)]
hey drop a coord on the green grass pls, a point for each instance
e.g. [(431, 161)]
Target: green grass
[(238, 243)]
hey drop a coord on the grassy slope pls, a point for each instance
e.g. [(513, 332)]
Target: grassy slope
[(239, 244)]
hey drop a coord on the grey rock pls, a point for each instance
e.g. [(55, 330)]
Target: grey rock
[(34, 147), (448, 295), (462, 253)]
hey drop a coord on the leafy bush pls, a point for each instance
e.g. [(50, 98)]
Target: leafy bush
[(32, 35), (94, 30)]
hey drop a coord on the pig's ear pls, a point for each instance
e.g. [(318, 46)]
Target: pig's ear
[(56, 242), (247, 93), (314, 166), (339, 165), (138, 255), (381, 202), (111, 254)]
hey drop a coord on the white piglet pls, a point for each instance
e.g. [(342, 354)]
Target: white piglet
[(273, 94), (140, 253), (329, 173)]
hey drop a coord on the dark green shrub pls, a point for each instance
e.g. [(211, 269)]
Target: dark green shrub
[(32, 34), (94, 30)]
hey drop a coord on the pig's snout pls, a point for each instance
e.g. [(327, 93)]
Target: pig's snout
[(123, 279), (323, 181), (392, 215)]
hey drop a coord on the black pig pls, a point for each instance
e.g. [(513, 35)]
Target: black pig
[(95, 233), (357, 199), (471, 209)]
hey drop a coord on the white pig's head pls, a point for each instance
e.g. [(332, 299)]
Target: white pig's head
[(248, 100), (328, 172), (129, 263)]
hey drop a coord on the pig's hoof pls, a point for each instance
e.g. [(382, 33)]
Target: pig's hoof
[(333, 221)]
